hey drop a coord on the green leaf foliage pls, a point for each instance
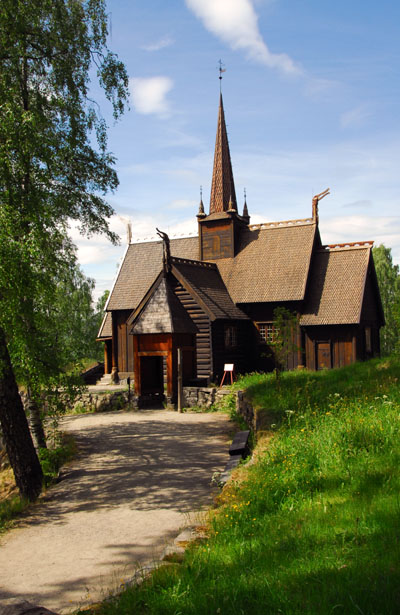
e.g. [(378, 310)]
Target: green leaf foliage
[(54, 168), (389, 286)]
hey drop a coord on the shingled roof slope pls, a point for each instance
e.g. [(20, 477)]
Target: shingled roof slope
[(337, 281), (142, 264), (105, 327), (204, 281), (272, 263)]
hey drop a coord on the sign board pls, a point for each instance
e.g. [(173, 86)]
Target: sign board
[(229, 368)]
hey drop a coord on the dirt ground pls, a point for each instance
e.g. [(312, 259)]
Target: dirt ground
[(138, 479)]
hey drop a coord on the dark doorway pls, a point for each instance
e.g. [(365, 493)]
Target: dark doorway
[(151, 375)]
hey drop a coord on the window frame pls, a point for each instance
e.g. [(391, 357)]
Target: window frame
[(231, 336), (266, 331)]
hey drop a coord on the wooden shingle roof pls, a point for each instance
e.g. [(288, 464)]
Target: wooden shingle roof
[(223, 196), (142, 264), (272, 263), (203, 281), (105, 330), (336, 288)]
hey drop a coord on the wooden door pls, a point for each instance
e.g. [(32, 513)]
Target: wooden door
[(324, 355)]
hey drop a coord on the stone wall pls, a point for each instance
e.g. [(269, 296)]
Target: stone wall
[(257, 419), (202, 397), (245, 409), (101, 402)]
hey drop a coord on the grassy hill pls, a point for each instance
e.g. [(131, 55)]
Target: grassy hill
[(312, 524)]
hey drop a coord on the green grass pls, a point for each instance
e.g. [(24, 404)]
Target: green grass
[(10, 508), (312, 526), (51, 460)]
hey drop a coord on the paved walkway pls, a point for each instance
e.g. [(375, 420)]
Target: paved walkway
[(137, 481)]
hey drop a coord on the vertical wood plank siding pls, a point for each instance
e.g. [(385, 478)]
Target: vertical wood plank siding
[(125, 341), (203, 337)]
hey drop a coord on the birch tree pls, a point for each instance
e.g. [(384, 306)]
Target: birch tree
[(54, 167)]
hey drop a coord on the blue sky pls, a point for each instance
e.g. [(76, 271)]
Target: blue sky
[(311, 94)]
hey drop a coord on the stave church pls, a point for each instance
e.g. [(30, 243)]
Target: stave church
[(212, 298)]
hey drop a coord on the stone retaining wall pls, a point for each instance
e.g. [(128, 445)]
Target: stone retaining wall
[(102, 402), (202, 397), (245, 409)]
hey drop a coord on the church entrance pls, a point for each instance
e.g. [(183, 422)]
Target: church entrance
[(151, 375)]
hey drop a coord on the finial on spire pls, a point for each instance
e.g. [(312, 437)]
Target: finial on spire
[(201, 213), (221, 70), (245, 210), (231, 205)]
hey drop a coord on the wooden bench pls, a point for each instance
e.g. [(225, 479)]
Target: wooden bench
[(238, 450), (240, 444)]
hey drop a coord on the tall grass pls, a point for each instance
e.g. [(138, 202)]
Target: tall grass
[(312, 526)]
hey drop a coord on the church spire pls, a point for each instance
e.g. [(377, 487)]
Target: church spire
[(223, 196)]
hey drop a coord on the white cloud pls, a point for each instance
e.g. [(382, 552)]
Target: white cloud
[(235, 22), (379, 229), (355, 117), (149, 94), (166, 41)]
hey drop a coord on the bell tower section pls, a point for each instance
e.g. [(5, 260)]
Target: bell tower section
[(219, 231)]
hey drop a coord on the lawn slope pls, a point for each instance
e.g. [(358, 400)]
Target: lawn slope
[(311, 526)]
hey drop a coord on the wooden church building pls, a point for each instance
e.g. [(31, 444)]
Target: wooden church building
[(213, 296)]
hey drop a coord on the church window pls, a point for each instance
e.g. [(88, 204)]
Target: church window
[(230, 336), (368, 341), (267, 332)]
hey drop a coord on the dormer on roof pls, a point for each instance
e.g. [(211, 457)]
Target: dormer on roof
[(219, 231)]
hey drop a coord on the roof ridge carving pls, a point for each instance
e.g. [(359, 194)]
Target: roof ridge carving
[(281, 224), (350, 245), (196, 263), (153, 238)]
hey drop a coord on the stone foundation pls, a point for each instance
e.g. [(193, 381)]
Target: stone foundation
[(202, 397), (102, 402)]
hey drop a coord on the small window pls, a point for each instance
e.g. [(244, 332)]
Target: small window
[(267, 332), (230, 336), (368, 341)]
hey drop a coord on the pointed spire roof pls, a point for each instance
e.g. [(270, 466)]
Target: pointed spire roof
[(223, 196)]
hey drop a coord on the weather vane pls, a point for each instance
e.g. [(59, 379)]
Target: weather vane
[(221, 70)]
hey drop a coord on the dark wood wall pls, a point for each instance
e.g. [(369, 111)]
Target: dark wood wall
[(241, 354), (262, 356), (124, 340), (217, 241), (203, 337), (331, 346)]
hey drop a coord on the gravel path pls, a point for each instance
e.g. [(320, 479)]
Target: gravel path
[(138, 479)]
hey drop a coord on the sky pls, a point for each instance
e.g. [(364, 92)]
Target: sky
[(311, 94)]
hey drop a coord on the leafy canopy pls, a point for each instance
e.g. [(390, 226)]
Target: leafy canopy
[(54, 163), (389, 286)]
